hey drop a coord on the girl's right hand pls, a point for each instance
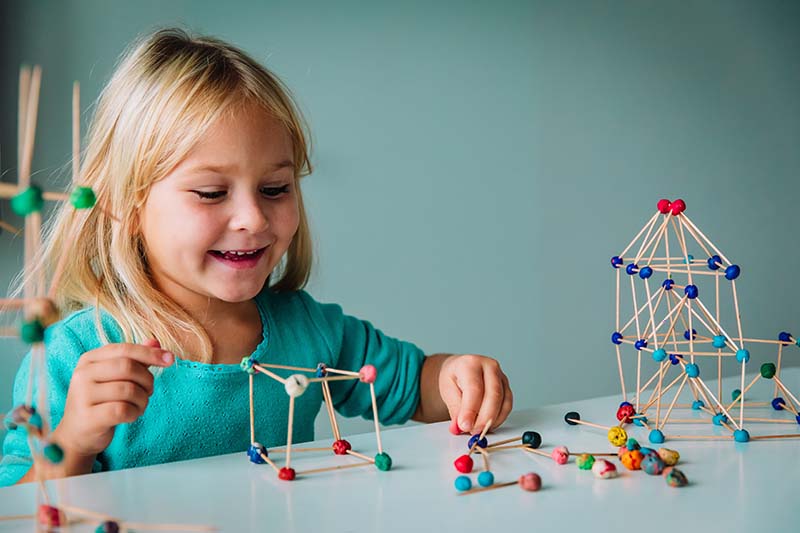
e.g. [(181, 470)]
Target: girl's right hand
[(110, 385)]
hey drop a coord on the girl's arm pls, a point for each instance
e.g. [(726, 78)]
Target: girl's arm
[(470, 390)]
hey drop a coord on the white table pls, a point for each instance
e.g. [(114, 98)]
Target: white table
[(733, 486)]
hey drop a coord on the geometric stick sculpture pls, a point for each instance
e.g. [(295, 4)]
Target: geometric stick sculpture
[(296, 385), (39, 312), (677, 322)]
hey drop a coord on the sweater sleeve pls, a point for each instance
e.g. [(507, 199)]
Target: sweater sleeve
[(63, 348), (355, 343)]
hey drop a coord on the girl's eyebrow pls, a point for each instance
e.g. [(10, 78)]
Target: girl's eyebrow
[(225, 169)]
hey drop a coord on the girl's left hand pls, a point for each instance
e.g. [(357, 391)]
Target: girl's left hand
[(475, 391)]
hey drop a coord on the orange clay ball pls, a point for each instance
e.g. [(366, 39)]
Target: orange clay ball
[(632, 459)]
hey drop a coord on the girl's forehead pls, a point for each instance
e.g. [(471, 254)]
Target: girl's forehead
[(247, 135)]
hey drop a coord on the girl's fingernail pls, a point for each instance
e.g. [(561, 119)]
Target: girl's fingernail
[(167, 357)]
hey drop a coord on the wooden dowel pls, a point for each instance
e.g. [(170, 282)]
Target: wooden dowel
[(375, 417), (767, 437), (329, 402), (10, 229), (360, 456), (270, 462), (289, 435), (491, 487), (701, 437), (252, 422), (76, 133), (331, 468), (296, 449), (32, 109), (500, 443), (537, 452), (331, 378), (287, 367), (577, 421), (343, 372), (273, 375)]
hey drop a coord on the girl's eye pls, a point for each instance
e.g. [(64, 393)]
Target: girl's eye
[(210, 195), (274, 191)]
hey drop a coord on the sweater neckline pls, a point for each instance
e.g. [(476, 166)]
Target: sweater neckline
[(234, 368)]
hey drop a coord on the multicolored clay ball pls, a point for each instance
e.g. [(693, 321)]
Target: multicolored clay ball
[(670, 457), (585, 461), (560, 455), (617, 436), (530, 482), (674, 477), (652, 464), (604, 469)]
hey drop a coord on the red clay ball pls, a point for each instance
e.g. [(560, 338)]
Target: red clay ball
[(663, 206), (464, 464), (340, 447), (678, 207), (286, 474), (625, 413)]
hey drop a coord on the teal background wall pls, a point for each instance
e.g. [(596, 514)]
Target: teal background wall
[(478, 163)]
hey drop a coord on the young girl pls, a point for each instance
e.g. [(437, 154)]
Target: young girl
[(196, 153)]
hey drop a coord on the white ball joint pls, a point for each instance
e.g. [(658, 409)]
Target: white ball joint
[(296, 385)]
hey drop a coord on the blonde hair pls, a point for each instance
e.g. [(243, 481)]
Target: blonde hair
[(165, 93)]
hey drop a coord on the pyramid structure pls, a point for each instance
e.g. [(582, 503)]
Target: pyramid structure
[(684, 316)]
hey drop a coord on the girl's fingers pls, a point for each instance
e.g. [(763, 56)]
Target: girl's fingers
[(146, 355), (110, 414), (119, 391), (508, 403), (470, 381), (493, 397), (122, 369)]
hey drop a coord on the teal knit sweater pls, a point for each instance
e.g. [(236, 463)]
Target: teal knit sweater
[(198, 410)]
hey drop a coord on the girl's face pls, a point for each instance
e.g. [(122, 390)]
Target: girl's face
[(216, 226)]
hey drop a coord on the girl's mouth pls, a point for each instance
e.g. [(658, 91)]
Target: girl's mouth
[(239, 259)]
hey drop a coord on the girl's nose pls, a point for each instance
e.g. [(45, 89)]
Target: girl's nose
[(249, 215)]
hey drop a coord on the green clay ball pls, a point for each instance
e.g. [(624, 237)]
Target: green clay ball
[(82, 198), (28, 201), (383, 462), (32, 332), (585, 461), (53, 453), (768, 370)]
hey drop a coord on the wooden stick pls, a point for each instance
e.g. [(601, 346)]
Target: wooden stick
[(701, 437), (296, 449), (327, 391), (360, 456), (252, 422), (269, 461), (273, 375), (766, 437), (32, 108), (76, 133), (647, 225), (375, 417), (786, 390), (500, 443), (343, 372), (289, 436), (9, 228), (490, 487), (330, 468), (286, 367), (744, 390), (485, 455), (331, 378), (675, 399), (578, 421), (17, 517), (537, 452), (22, 110)]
